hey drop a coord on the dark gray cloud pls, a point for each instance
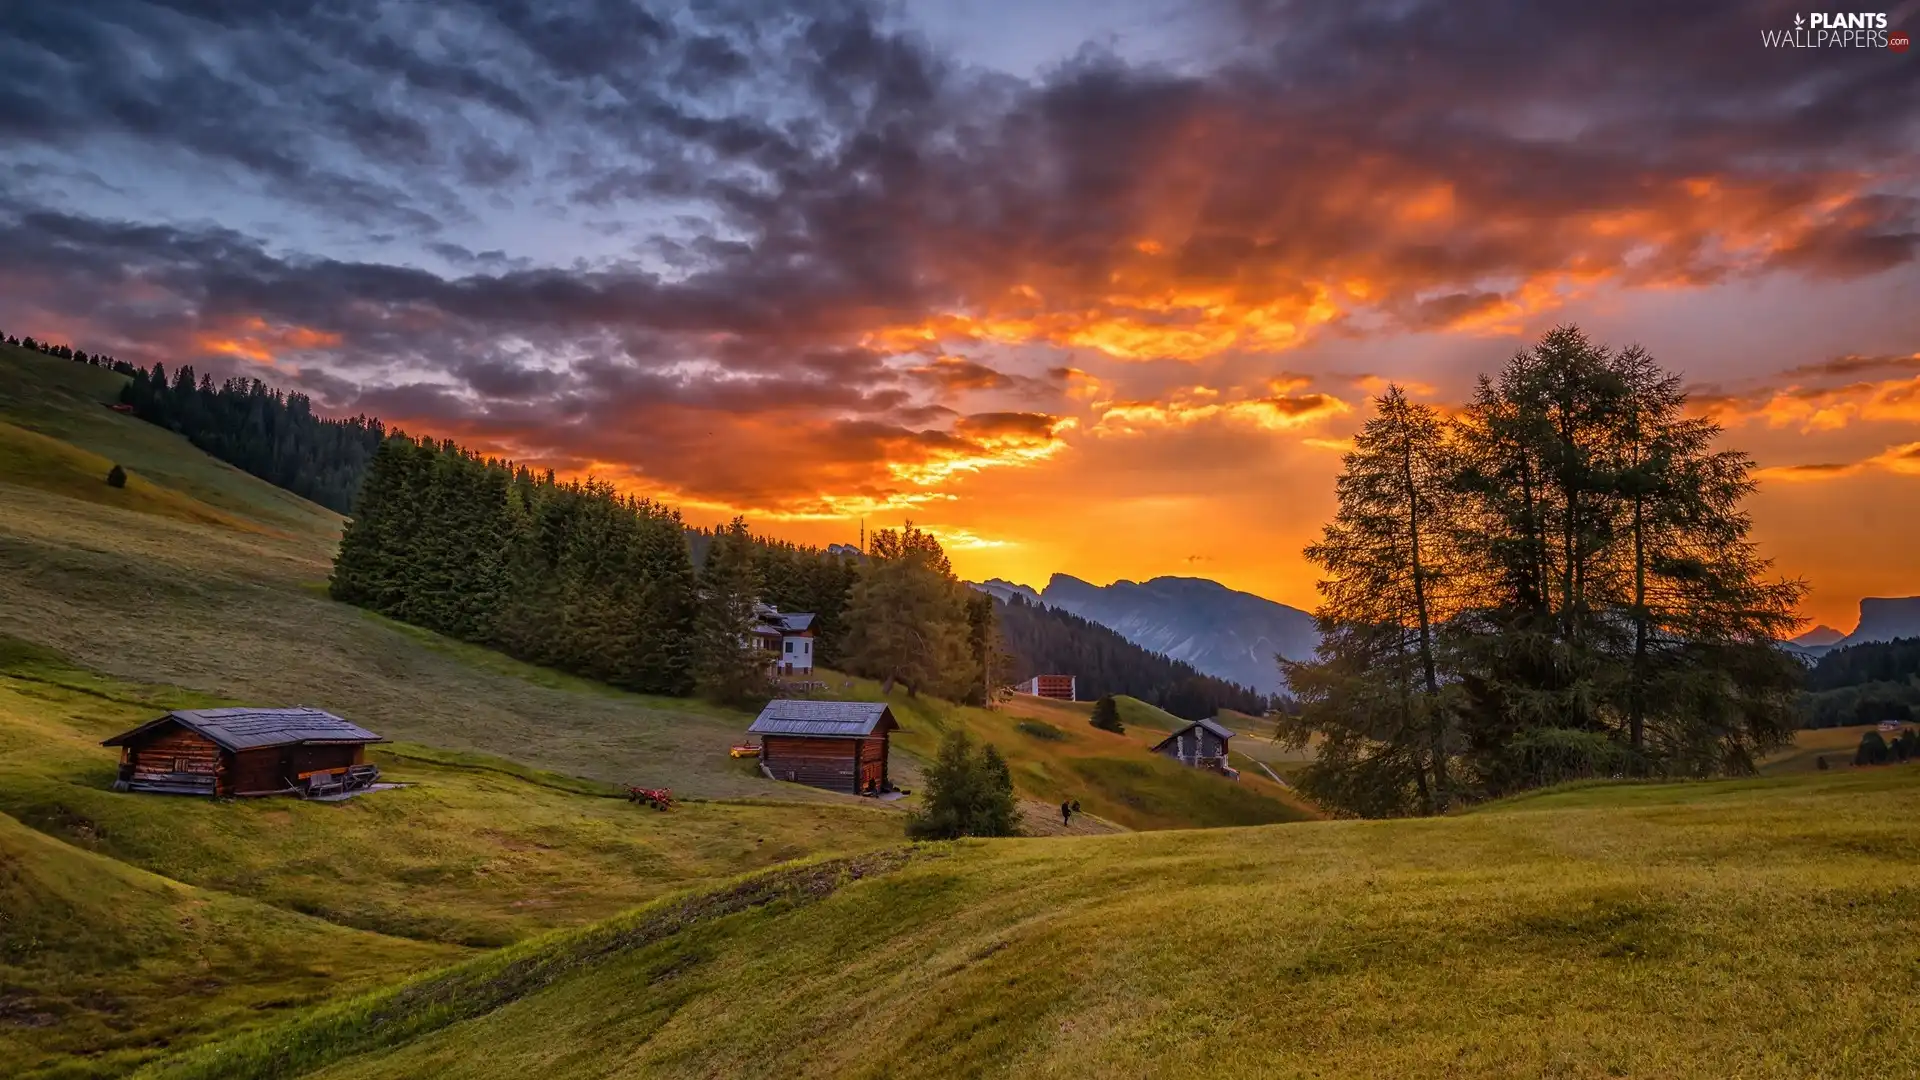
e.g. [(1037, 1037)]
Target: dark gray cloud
[(760, 192)]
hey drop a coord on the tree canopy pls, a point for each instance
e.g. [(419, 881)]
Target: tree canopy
[(1555, 582)]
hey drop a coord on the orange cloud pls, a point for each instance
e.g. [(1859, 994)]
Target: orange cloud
[(255, 339), (1818, 408), (1279, 410), (1903, 460)]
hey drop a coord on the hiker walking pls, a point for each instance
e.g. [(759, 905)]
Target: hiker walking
[(1066, 814)]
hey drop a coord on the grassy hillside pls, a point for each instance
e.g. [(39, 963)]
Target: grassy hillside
[(130, 922), (1056, 755), (68, 402), (203, 577), (1764, 928), (101, 959)]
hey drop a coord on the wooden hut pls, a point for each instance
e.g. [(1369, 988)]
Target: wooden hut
[(837, 745), (1201, 744), (239, 751)]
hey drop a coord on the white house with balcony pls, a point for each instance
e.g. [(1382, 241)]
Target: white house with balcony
[(786, 638)]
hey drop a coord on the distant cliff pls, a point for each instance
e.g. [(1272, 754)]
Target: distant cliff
[(1886, 618)]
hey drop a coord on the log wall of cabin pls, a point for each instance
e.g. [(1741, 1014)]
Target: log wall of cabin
[(321, 757), (171, 751), (816, 762), (872, 761), (256, 772)]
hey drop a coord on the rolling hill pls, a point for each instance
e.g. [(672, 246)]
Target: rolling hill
[(1756, 928)]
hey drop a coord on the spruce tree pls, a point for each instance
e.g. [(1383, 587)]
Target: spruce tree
[(969, 792), (728, 668), (1106, 715), (116, 477), (907, 620)]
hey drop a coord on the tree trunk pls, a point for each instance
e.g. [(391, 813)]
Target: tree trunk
[(1436, 719), (1637, 705)]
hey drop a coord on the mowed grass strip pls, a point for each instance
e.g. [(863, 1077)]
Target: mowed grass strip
[(1767, 928)]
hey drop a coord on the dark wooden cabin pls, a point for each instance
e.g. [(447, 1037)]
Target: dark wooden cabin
[(237, 751), (1201, 744), (837, 745)]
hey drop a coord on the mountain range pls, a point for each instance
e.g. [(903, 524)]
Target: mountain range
[(1882, 618), (1235, 635), (1222, 632)]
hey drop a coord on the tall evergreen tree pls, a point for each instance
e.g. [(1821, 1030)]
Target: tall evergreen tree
[(728, 668), (992, 663), (907, 619), (1384, 554)]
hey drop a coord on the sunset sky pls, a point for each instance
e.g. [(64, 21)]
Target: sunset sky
[(1090, 287)]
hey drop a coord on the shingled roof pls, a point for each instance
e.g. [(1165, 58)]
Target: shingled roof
[(1209, 725), (842, 719), (249, 728)]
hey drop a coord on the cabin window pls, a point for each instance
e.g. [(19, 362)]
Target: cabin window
[(179, 764), (789, 646)]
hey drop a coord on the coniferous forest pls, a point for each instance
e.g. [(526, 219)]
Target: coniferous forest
[(1869, 683), (263, 430), (571, 575), (1045, 640), (274, 435)]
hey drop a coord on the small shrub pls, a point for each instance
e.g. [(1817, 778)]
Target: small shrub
[(1040, 729), (117, 477), (1873, 750), (969, 793), (1106, 716), (1821, 763)]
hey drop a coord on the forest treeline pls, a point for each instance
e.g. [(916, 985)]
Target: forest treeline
[(262, 430), (1869, 683), (1046, 640), (576, 576), (1553, 582)]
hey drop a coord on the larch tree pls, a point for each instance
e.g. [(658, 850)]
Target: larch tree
[(1557, 584), (1375, 692), (1704, 679)]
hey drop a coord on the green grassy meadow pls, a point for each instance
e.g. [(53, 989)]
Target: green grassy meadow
[(1762, 928)]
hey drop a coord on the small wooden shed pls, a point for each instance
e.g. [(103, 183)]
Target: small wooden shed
[(1201, 744), (240, 751), (837, 745)]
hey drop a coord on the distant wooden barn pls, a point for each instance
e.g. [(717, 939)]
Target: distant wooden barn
[(1057, 687), (239, 751), (837, 745), (1202, 744)]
